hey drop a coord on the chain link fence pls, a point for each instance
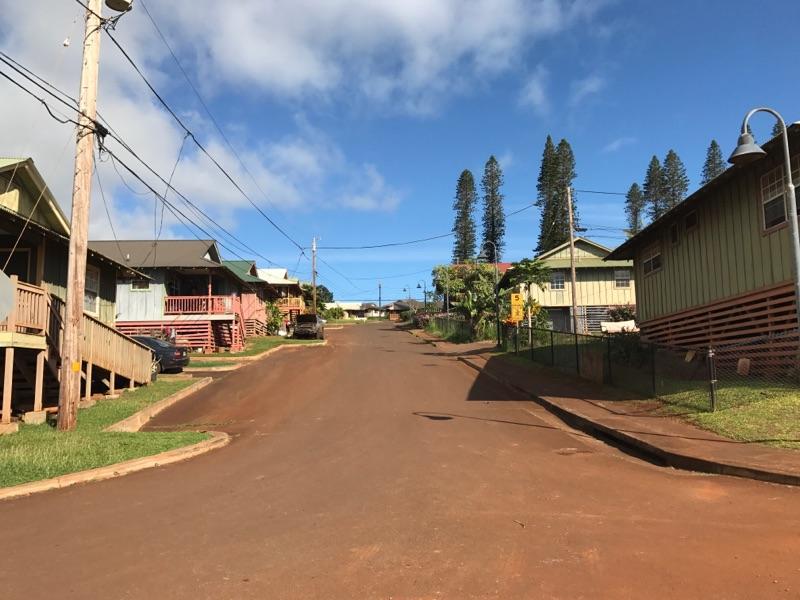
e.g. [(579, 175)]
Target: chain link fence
[(694, 379)]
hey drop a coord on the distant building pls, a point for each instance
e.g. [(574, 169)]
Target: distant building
[(601, 285)]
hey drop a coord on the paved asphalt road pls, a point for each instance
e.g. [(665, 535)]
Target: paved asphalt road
[(377, 468)]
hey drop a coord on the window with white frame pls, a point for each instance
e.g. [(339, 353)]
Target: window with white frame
[(91, 292), (557, 280), (622, 278), (773, 204), (651, 260)]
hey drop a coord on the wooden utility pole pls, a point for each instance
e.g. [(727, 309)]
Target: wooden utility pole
[(314, 272), (70, 384), (573, 278), (380, 297)]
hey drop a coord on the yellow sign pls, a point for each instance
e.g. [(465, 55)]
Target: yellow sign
[(517, 309)]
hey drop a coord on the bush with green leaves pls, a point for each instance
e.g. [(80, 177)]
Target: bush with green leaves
[(274, 317), (334, 312)]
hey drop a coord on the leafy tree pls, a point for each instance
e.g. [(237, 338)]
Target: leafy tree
[(471, 289), (547, 196), (274, 319), (334, 312), (323, 295), (715, 163), (494, 220), (464, 226), (634, 208), (676, 183), (528, 272), (653, 189)]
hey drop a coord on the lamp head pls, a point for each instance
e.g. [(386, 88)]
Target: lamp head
[(483, 256), (419, 287), (746, 150)]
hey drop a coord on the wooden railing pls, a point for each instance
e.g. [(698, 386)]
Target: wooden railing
[(35, 312), (29, 312), (291, 303), (201, 305)]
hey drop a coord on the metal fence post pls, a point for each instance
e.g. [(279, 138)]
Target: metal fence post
[(530, 338), (577, 355), (653, 368), (516, 340), (712, 379), (552, 348), (608, 358)]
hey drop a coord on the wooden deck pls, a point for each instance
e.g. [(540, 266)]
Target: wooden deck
[(31, 336)]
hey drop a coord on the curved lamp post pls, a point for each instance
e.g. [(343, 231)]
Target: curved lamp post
[(485, 257), (747, 151), (422, 285)]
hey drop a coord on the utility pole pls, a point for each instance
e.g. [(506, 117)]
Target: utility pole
[(380, 297), (314, 272), (572, 262), (70, 380)]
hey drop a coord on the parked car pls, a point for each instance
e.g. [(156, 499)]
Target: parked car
[(166, 355), (309, 326)]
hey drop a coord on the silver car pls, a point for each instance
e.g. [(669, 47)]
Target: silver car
[(309, 326)]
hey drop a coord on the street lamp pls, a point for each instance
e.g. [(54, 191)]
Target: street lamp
[(422, 285), (483, 256), (747, 151)]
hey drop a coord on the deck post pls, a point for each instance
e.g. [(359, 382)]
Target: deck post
[(88, 390), (39, 387), (112, 383), (8, 381), (208, 306), (11, 321)]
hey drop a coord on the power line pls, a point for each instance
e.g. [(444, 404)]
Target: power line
[(102, 133), (196, 141)]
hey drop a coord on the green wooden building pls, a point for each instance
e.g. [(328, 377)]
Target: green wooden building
[(716, 270)]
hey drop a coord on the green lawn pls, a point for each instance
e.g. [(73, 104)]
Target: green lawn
[(40, 452), (747, 410), (201, 364), (253, 346)]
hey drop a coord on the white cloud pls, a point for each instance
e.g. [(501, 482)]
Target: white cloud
[(370, 192), (506, 159), (619, 143), (534, 93), (583, 88)]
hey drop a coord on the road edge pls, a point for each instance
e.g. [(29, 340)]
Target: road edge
[(247, 359), (218, 439), (138, 419), (670, 458)]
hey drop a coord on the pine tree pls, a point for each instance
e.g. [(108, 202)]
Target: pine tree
[(715, 163), (494, 221), (565, 176), (777, 129), (547, 195), (653, 189), (634, 208), (676, 183), (464, 226)]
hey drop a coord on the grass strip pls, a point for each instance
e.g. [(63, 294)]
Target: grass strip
[(254, 346), (40, 451)]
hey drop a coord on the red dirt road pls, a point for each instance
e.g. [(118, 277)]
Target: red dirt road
[(337, 485)]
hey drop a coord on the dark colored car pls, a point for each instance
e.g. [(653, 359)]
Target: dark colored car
[(166, 355), (309, 326)]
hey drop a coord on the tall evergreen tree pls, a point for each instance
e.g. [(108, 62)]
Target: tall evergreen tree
[(494, 220), (715, 163), (777, 129), (676, 183), (634, 208), (653, 189), (464, 226), (547, 195), (566, 175)]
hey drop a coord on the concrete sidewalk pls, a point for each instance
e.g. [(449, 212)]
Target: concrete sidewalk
[(628, 420)]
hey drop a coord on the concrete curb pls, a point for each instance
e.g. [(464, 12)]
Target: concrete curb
[(224, 359), (677, 460), (137, 420), (218, 440), (230, 367)]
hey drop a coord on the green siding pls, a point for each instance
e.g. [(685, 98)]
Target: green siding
[(725, 256)]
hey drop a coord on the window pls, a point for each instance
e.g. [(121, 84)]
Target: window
[(651, 260), (773, 205), (91, 293), (622, 278), (690, 221), (674, 232), (140, 285), (557, 280)]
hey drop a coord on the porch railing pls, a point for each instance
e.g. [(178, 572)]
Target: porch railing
[(291, 303), (201, 305), (29, 312)]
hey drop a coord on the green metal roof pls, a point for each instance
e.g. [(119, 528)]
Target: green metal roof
[(241, 269)]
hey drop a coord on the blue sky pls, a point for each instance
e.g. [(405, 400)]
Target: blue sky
[(357, 117)]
